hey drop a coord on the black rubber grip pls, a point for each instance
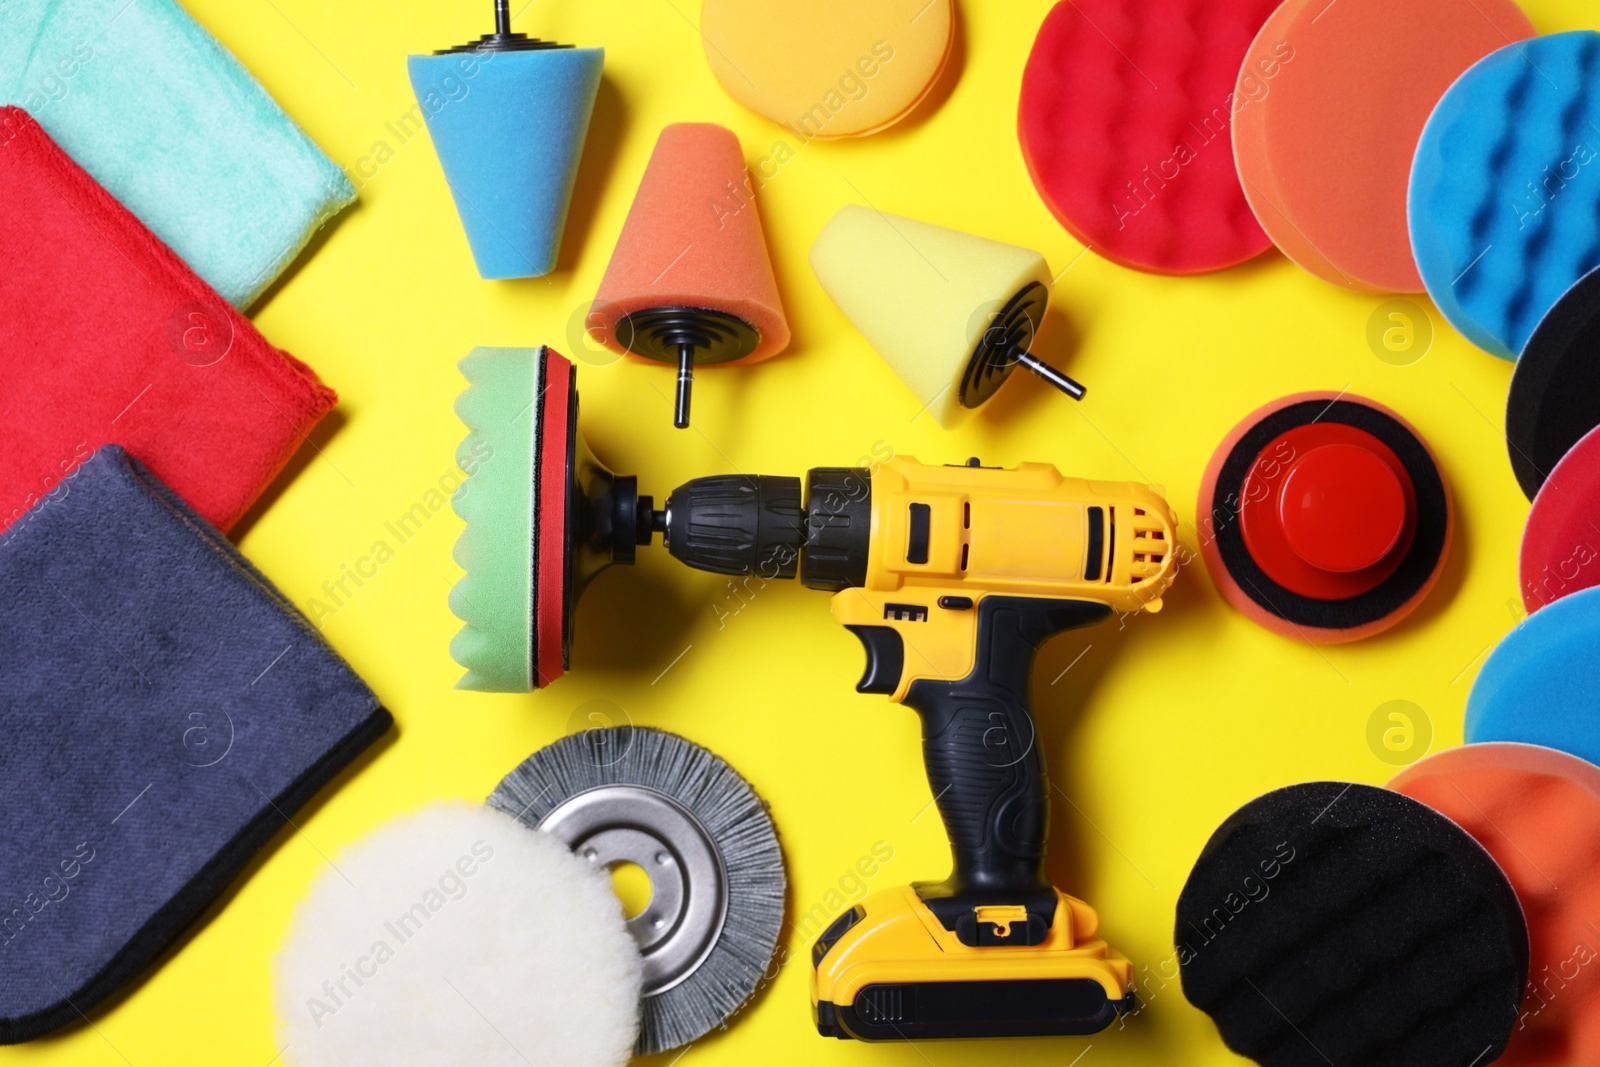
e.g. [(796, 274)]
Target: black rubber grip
[(985, 765)]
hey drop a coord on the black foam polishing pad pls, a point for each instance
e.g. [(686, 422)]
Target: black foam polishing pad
[(1555, 390), (1334, 923)]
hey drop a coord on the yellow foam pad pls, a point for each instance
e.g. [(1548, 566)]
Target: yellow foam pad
[(828, 68), (921, 294)]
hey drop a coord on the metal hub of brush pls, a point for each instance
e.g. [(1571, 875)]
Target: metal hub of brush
[(634, 795), (617, 824), (502, 40), (685, 336)]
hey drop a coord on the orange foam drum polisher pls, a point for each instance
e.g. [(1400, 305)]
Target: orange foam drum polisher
[(1324, 517), (690, 280)]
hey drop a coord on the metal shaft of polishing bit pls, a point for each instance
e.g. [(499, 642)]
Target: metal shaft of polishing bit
[(1067, 385), (502, 17), (680, 414)]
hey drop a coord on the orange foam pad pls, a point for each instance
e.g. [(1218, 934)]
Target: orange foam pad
[(693, 238), (1334, 99), (1537, 812)]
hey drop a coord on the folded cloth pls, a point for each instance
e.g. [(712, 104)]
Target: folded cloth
[(106, 336), (176, 128), (163, 712)]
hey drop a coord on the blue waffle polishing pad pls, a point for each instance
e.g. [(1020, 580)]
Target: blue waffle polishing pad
[(1541, 684), (509, 129), (1504, 204)]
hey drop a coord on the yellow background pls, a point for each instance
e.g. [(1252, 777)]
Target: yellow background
[(1154, 735)]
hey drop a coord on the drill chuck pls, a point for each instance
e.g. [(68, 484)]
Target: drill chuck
[(761, 525)]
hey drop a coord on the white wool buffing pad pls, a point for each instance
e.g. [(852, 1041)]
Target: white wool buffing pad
[(454, 936)]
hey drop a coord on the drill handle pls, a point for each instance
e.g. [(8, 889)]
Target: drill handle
[(984, 762)]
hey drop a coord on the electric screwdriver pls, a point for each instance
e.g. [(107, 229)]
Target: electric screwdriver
[(952, 577)]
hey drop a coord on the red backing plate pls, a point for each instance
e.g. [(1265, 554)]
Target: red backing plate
[(1126, 120), (551, 521), (1314, 453), (1561, 543)]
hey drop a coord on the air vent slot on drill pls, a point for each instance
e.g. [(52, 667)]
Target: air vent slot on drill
[(1097, 544), (1111, 543), (921, 531)]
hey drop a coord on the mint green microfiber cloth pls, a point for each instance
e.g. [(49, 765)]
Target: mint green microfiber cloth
[(144, 99)]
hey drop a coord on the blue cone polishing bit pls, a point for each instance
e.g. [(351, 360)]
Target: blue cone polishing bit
[(508, 115), (1536, 686), (1504, 203)]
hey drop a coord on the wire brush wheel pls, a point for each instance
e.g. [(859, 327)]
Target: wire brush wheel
[(635, 795), (456, 935)]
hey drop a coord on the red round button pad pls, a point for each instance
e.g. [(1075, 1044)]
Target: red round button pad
[(1328, 511)]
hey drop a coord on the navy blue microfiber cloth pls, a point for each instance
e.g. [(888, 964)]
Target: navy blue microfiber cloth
[(164, 711)]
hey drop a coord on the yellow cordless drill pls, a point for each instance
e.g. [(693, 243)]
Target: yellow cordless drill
[(952, 577)]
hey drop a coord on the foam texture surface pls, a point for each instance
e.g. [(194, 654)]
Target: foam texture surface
[(828, 68), (1332, 922), (176, 129), (165, 712), (923, 295), (1555, 390), (1334, 99), (1504, 201), (456, 935), (1249, 450), (501, 501), (1125, 121), (1536, 686), (109, 337), (1537, 811), (1561, 542), (693, 238), (509, 128)]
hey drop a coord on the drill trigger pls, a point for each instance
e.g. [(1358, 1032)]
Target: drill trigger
[(886, 659)]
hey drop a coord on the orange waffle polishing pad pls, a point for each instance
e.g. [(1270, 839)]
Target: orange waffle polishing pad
[(1537, 812)]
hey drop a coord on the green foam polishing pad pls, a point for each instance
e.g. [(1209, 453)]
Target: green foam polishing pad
[(517, 408)]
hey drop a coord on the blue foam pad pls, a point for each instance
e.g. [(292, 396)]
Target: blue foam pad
[(1538, 685), (1504, 203), (509, 129)]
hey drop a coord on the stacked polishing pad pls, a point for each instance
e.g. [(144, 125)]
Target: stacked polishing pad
[(1339, 923), (1124, 121), (954, 314), (828, 68), (1329, 106), (1324, 517), (690, 280), (520, 407), (508, 115)]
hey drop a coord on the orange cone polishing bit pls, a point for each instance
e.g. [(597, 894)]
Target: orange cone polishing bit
[(1324, 517), (690, 280)]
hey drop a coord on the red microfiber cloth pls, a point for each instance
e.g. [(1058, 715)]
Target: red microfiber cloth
[(107, 337)]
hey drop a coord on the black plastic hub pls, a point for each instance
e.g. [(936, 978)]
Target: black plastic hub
[(1011, 332), (662, 333), (502, 40)]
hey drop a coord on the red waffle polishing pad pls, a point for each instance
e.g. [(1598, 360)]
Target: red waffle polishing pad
[(1125, 121), (1330, 104), (1324, 517), (1561, 542), (108, 338), (1537, 812), (693, 239)]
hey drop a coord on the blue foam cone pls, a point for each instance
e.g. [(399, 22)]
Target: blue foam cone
[(509, 129)]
